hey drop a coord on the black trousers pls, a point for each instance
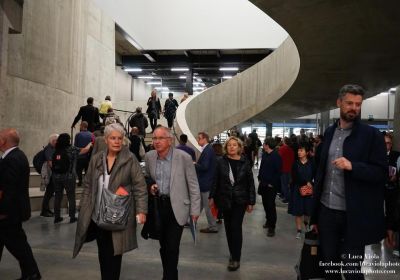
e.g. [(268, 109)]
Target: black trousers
[(48, 194), (153, 123), (81, 165), (268, 199), (110, 265), (170, 239), (66, 181), (233, 220), (170, 122), (335, 248), (13, 237)]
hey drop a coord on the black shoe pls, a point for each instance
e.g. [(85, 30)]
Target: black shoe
[(35, 276), (47, 214), (234, 266), (58, 220), (271, 232), (79, 184), (72, 220), (265, 225)]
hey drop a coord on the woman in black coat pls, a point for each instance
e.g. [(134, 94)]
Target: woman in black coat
[(153, 109), (234, 194)]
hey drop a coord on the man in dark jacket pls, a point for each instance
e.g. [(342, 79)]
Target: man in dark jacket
[(392, 192), (205, 169), (14, 203), (140, 121), (349, 188), (89, 114), (170, 107), (269, 177)]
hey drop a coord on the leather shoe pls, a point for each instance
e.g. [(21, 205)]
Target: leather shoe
[(234, 266), (35, 276), (47, 214), (207, 230), (58, 220), (265, 225), (271, 232), (72, 220)]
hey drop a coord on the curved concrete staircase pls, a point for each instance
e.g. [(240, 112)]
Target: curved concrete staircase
[(242, 97)]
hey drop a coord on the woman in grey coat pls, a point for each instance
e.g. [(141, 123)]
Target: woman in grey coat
[(119, 171)]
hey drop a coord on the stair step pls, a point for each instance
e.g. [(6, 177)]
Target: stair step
[(36, 198)]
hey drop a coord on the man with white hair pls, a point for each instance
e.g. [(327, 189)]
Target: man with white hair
[(15, 206), (171, 175), (46, 173)]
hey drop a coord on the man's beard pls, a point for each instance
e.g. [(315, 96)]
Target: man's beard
[(349, 118)]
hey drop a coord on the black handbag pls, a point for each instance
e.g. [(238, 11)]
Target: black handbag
[(152, 226), (308, 266), (114, 209)]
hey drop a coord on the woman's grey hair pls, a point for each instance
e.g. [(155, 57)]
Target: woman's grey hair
[(53, 136), (113, 127)]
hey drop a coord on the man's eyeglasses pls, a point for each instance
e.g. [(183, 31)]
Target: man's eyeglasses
[(160, 138)]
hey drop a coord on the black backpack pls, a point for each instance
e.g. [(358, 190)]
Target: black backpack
[(38, 161), (60, 162)]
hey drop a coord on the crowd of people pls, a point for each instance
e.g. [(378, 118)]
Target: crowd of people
[(343, 185)]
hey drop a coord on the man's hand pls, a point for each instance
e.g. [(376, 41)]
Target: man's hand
[(211, 202), (249, 208), (390, 240), (314, 228), (194, 217), (342, 163), (141, 218), (154, 189)]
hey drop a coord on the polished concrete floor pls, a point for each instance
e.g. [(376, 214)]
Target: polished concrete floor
[(262, 257)]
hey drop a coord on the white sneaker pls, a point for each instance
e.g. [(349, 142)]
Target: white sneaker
[(396, 253), (298, 235)]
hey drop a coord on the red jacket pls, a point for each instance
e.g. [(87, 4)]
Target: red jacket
[(287, 155)]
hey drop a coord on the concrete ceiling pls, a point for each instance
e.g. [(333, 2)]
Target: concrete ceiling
[(339, 42)]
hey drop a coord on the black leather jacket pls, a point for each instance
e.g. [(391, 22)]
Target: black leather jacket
[(243, 190)]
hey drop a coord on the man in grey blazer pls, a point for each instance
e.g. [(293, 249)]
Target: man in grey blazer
[(172, 176)]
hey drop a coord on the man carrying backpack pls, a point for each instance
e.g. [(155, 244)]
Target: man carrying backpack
[(64, 175), (46, 176)]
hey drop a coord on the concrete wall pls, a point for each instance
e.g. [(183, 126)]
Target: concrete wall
[(65, 53), (123, 85)]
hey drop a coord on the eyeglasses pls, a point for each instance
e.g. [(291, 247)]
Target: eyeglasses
[(160, 138)]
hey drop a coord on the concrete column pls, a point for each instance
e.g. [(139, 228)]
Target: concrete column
[(324, 122), (189, 81), (396, 121), (268, 127)]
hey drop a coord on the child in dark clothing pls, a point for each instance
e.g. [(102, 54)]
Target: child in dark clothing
[(301, 204)]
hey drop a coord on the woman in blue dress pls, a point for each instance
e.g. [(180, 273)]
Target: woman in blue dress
[(303, 172)]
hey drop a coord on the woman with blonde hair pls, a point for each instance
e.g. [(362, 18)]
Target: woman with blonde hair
[(234, 194)]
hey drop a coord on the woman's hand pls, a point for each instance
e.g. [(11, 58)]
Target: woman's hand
[(249, 208), (141, 218), (211, 202), (154, 189)]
